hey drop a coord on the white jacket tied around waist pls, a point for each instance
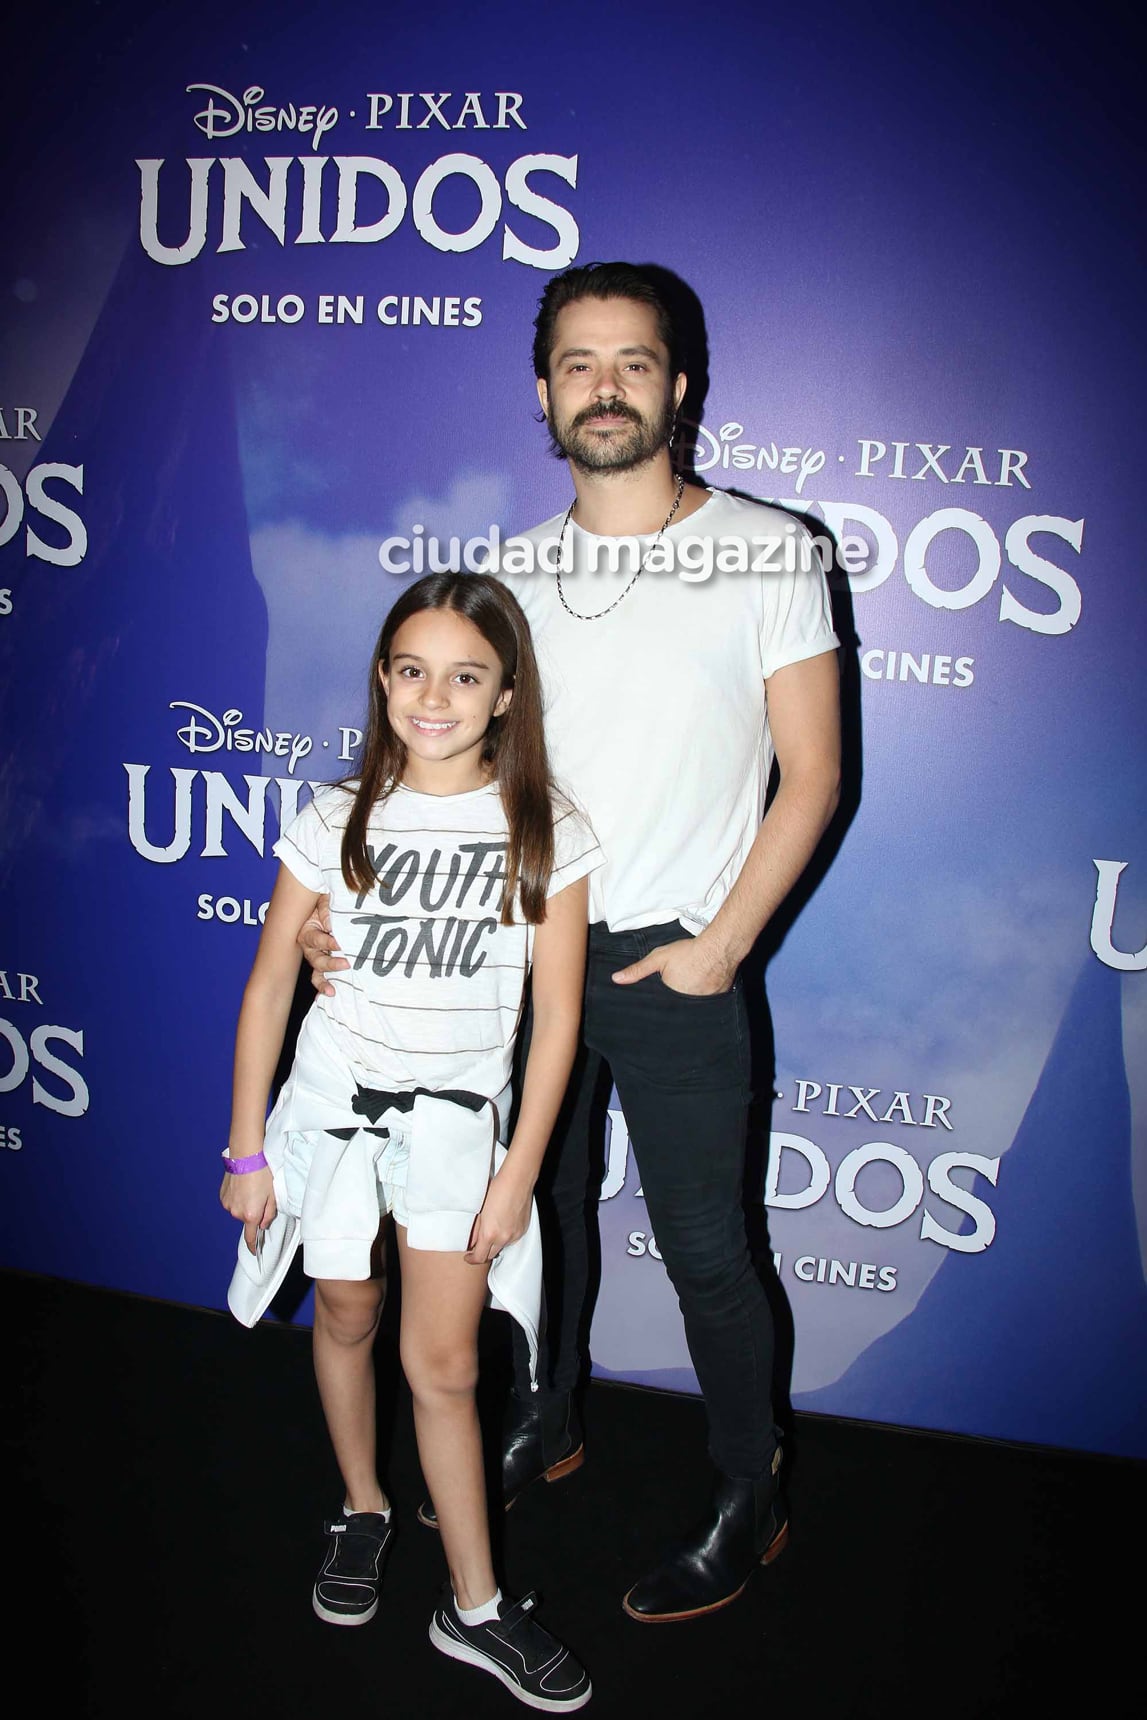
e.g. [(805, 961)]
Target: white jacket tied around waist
[(454, 1151)]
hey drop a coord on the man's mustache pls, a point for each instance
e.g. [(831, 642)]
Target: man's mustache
[(606, 409)]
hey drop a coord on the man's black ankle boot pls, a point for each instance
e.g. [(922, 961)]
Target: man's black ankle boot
[(747, 1526), (542, 1441)]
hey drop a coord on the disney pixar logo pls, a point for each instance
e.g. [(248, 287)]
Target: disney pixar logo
[(225, 115)]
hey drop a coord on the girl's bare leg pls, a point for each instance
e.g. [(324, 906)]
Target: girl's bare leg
[(442, 1298), (346, 1320)]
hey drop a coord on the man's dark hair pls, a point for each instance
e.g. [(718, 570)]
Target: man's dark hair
[(600, 281)]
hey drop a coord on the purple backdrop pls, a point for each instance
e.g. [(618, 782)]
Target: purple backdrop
[(266, 305)]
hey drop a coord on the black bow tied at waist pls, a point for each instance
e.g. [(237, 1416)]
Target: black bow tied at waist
[(371, 1102)]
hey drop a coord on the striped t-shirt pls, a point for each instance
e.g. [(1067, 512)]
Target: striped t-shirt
[(433, 995)]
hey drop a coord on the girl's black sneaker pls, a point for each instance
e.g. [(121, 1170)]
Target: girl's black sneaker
[(530, 1662), (346, 1590)]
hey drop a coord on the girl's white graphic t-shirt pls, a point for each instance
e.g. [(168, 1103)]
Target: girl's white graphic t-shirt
[(434, 992)]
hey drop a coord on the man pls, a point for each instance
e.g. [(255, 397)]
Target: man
[(666, 699)]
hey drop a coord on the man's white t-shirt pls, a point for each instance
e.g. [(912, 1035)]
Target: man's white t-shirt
[(655, 712), (434, 991)]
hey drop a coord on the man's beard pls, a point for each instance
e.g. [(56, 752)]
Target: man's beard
[(589, 452)]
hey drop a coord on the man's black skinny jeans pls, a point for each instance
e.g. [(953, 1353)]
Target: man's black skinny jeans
[(681, 1068)]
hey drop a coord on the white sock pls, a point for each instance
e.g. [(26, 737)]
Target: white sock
[(385, 1515), (485, 1614)]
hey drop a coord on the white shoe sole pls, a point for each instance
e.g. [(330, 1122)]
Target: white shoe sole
[(342, 1618)]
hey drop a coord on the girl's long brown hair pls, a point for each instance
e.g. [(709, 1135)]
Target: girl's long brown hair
[(515, 744)]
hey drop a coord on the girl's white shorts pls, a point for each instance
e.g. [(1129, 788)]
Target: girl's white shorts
[(391, 1155)]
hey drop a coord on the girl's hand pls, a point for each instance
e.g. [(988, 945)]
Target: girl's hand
[(504, 1216), (251, 1199)]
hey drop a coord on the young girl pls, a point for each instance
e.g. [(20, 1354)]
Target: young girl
[(450, 865)]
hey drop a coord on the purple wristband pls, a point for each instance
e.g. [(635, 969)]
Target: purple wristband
[(240, 1167)]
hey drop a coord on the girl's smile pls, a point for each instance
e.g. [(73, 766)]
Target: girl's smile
[(443, 687)]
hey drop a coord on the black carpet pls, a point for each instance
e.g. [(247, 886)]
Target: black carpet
[(167, 1474)]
